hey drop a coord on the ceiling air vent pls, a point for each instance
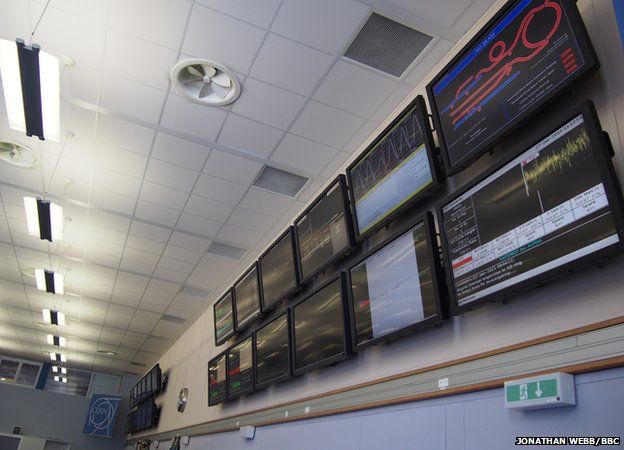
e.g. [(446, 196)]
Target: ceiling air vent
[(17, 155), (174, 319), (227, 251), (205, 82), (386, 45), (280, 181)]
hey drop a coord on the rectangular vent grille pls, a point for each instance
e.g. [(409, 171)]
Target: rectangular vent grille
[(280, 181), (227, 251), (387, 45), (174, 319), (195, 292)]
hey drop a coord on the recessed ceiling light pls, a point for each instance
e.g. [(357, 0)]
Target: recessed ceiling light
[(49, 281), (53, 317), (44, 219), (205, 82), (107, 352)]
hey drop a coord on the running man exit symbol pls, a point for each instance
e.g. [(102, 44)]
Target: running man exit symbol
[(524, 392)]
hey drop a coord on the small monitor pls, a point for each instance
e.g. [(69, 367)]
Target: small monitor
[(240, 368), (224, 318), (247, 298), (324, 232), (278, 270), (396, 170), (272, 352), (396, 288), (217, 383), (554, 207), (528, 53), (319, 328)]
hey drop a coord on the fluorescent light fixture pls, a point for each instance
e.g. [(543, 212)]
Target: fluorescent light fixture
[(60, 379), (58, 357), (59, 341), (44, 219), (54, 317), (57, 369), (49, 281), (31, 83)]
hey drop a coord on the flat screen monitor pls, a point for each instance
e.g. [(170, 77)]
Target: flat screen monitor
[(555, 206), (278, 270), (224, 318), (247, 298), (217, 383), (396, 170), (395, 289), (324, 230), (531, 51), (272, 352), (319, 329), (240, 368)]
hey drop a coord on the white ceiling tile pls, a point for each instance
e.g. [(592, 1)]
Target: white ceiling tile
[(324, 24), (163, 195), (129, 97), (166, 329), (218, 189), (165, 286), (303, 154), (472, 14), (170, 175), (138, 59), (335, 164), (161, 21), (290, 65), (362, 136), (154, 344), (133, 340), (248, 135), (176, 265), (94, 10), (326, 124), (179, 151), (441, 12), (124, 134), (179, 253), (206, 207), (239, 236), (183, 115), (156, 213), (387, 108), (113, 201), (15, 23), (119, 160), (171, 275), (149, 231), (199, 225), (144, 321), (146, 245), (109, 180), (137, 267), (424, 64), (118, 316), (265, 202), (189, 242), (231, 167), (132, 254), (251, 220), (354, 89), (224, 39), (154, 304), (258, 12), (268, 104)]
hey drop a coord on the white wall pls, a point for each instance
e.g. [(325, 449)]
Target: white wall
[(586, 297)]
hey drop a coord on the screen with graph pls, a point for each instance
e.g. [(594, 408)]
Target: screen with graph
[(223, 318), (272, 352), (247, 298), (532, 51), (240, 368), (392, 171), (217, 380), (545, 208), (278, 271)]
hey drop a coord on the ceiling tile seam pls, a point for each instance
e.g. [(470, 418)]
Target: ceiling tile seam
[(463, 13)]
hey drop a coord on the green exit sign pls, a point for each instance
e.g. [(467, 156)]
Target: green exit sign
[(545, 391)]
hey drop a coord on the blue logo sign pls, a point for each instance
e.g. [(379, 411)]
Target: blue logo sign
[(101, 415)]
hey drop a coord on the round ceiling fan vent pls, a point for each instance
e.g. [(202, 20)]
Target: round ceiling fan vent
[(205, 82), (17, 155)]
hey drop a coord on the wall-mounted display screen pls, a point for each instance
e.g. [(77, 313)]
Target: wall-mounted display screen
[(396, 169), (272, 347), (247, 298), (217, 384), (552, 205), (531, 51), (324, 230), (396, 287), (224, 318), (319, 329), (278, 270), (240, 368)]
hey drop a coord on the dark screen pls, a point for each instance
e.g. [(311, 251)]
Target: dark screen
[(278, 271), (240, 368), (526, 57), (319, 326), (393, 288), (272, 351), (224, 319), (545, 208), (247, 298), (392, 172), (216, 380), (323, 232)]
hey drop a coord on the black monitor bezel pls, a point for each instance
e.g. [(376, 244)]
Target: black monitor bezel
[(434, 165), (276, 380), (602, 153), (231, 334), (346, 353), (341, 181), (585, 46), (441, 298), (237, 326), (210, 403), (230, 395), (290, 230)]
